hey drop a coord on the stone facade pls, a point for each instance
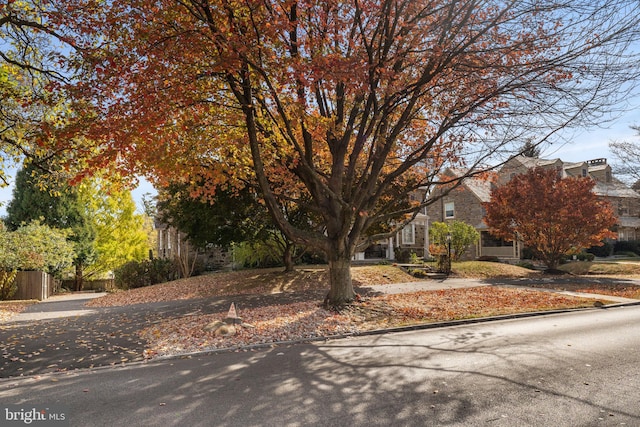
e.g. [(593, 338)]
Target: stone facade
[(625, 201), (465, 202), (172, 244)]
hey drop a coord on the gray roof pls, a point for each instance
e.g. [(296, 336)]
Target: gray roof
[(614, 188), (629, 222), (532, 162), (481, 188)]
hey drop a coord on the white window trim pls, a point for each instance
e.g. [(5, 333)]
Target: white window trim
[(405, 239), (453, 210)]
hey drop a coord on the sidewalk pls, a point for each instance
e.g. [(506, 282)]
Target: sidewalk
[(457, 283), (72, 305), (66, 305)]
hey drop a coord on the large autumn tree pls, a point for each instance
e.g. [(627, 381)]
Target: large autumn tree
[(33, 57), (549, 214), (344, 107)]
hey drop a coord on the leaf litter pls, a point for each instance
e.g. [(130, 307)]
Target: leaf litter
[(308, 320)]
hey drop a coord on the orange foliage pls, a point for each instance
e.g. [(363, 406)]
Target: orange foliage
[(551, 215), (346, 107)]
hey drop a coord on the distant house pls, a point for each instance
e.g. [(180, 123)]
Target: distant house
[(173, 244), (625, 200), (413, 238), (465, 202)]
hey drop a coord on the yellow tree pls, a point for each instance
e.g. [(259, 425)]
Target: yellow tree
[(345, 107), (121, 236)]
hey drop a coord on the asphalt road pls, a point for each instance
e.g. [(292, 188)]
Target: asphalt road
[(572, 369)]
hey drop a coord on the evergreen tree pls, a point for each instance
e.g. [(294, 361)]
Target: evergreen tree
[(530, 149), (38, 196)]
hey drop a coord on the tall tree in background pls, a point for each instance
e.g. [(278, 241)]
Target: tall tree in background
[(56, 205), (121, 236), (530, 150), (336, 105), (549, 214)]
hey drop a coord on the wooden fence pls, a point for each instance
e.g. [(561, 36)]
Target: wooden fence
[(34, 285)]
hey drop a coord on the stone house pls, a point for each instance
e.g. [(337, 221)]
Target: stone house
[(173, 244), (625, 201), (465, 202), (413, 238)]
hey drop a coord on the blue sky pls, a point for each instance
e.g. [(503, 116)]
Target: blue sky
[(592, 143)]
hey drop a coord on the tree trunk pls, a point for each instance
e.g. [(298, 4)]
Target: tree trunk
[(79, 279), (341, 291), (287, 258)]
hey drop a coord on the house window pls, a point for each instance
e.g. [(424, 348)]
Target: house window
[(623, 208), (409, 235), (449, 210), (584, 173)]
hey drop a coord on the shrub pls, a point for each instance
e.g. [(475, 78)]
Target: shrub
[(585, 256), (628, 246), (137, 274), (527, 253), (255, 255), (488, 258), (601, 251), (403, 255), (526, 265), (8, 286), (627, 254), (414, 258), (462, 237)]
